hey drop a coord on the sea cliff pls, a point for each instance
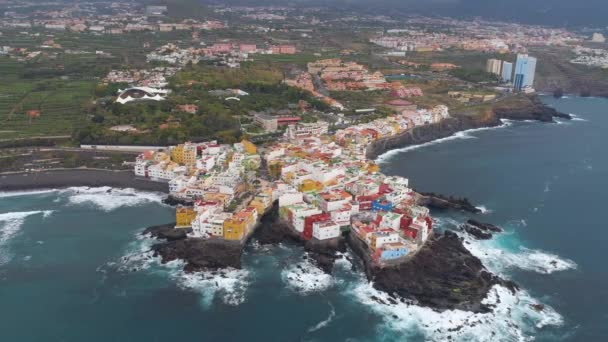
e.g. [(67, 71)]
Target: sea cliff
[(514, 108)]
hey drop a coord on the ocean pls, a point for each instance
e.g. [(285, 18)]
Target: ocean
[(74, 266)]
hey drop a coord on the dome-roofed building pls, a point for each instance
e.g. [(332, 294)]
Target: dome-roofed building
[(141, 94)]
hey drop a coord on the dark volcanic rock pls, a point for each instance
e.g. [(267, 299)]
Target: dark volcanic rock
[(480, 230), (325, 253), (173, 201), (201, 254), (423, 134), (441, 202), (167, 232), (476, 232), (527, 108), (484, 226), (443, 275), (272, 230)]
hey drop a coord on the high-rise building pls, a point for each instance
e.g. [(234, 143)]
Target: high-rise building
[(507, 72), (525, 68), (598, 38), (493, 66)]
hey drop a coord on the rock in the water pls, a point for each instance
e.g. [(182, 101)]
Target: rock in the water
[(441, 202), (201, 254), (167, 232), (480, 230), (484, 226), (476, 232)]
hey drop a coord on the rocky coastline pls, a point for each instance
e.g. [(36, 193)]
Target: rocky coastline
[(443, 275), (198, 254), (518, 108)]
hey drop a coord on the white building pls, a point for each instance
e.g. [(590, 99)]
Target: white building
[(290, 198), (325, 230), (379, 238)]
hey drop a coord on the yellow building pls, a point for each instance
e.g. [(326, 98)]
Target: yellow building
[(249, 147), (258, 205), (373, 168), (177, 154), (184, 154), (184, 217), (234, 228), (310, 185)]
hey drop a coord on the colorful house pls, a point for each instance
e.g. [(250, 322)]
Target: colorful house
[(382, 205), (234, 228), (184, 217), (310, 220), (249, 147)]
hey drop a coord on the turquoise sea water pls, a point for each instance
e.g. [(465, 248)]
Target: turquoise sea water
[(74, 268)]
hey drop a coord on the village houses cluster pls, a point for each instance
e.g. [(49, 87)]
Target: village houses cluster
[(323, 186), (327, 187), (218, 178)]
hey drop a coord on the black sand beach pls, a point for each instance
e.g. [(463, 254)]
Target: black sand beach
[(54, 179)]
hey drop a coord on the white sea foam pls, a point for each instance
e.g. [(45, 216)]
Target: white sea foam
[(229, 284), (10, 224), (325, 322), (385, 157), (305, 278), (484, 209), (25, 193), (499, 260), (577, 118), (139, 255), (513, 317), (108, 199)]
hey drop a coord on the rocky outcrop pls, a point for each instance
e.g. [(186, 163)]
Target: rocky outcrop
[(201, 254), (272, 230), (480, 230), (325, 253), (174, 201), (526, 108), (167, 232), (441, 202), (443, 275)]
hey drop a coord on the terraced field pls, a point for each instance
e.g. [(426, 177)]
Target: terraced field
[(59, 101)]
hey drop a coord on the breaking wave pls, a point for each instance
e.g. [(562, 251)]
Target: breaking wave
[(515, 317), (109, 199), (10, 224), (577, 118), (484, 209), (229, 285), (385, 157), (499, 259), (25, 193), (325, 322), (305, 278)]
